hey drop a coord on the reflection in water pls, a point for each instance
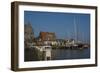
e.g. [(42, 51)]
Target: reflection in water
[(57, 54), (60, 54)]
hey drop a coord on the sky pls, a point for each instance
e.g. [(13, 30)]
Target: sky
[(63, 24)]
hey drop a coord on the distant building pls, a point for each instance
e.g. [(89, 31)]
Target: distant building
[(61, 42), (28, 35), (47, 36)]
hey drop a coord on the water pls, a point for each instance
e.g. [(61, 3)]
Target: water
[(58, 54), (61, 54)]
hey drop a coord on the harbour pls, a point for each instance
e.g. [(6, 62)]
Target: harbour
[(55, 40), (50, 51), (56, 54)]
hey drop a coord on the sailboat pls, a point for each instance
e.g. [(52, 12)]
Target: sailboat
[(77, 44)]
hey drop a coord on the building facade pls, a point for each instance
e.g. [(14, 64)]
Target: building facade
[(47, 36)]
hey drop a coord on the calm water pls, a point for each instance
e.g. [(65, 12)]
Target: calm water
[(61, 54)]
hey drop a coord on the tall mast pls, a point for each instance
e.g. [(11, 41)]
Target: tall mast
[(75, 30)]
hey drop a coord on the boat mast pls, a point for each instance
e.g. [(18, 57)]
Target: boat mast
[(75, 30)]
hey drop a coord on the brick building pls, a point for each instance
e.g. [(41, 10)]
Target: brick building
[(47, 36)]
